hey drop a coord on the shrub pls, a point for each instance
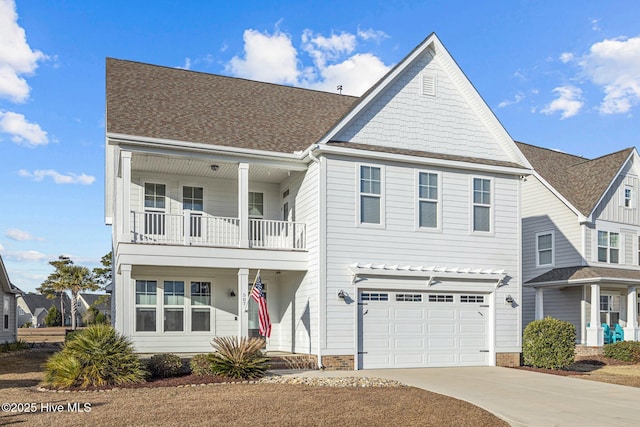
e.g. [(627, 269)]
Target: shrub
[(164, 365), (102, 319), (200, 365), (13, 346), (53, 318), (71, 335), (549, 343), (629, 351), (96, 356), (240, 358)]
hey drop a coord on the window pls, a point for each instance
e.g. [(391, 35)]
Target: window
[(610, 309), (628, 197), (146, 292), (472, 299), (608, 247), (440, 298), (481, 204), (544, 249), (154, 205), (374, 296), (192, 199), (21, 311), (173, 306), (409, 297), (201, 306), (427, 200), (5, 313), (256, 205), (370, 195)]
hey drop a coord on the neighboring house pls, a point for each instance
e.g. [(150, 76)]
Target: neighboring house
[(100, 301), (581, 231), (33, 309), (8, 294), (386, 228)]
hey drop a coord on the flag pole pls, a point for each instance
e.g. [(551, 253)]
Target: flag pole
[(246, 304)]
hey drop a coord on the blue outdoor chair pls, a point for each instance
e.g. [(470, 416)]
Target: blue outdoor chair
[(608, 336), (617, 334)]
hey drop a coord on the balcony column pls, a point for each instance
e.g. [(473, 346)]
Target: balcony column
[(631, 330), (243, 300), (243, 203), (539, 304), (595, 337), (125, 173)]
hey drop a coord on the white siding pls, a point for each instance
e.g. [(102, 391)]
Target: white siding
[(399, 243), (612, 208), (405, 118)]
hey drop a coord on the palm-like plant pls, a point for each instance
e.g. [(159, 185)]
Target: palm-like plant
[(240, 358), (96, 356)]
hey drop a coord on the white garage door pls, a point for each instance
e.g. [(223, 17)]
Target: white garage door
[(420, 329)]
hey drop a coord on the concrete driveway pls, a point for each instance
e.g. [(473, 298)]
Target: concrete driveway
[(521, 397)]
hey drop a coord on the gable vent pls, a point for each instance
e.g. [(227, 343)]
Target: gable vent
[(428, 85)]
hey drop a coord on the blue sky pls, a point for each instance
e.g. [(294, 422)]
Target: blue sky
[(563, 75)]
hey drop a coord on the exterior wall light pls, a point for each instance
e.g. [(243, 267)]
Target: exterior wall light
[(509, 299), (341, 294)]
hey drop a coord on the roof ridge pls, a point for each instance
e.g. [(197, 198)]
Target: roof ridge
[(108, 58), (577, 156), (604, 156)]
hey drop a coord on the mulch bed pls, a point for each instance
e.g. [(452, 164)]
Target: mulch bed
[(582, 366)]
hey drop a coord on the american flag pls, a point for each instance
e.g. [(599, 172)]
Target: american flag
[(263, 314)]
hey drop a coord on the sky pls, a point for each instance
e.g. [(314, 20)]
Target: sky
[(563, 75)]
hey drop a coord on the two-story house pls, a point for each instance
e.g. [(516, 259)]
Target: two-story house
[(385, 227), (581, 252), (8, 294)]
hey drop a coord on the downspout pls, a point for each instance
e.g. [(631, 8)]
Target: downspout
[(321, 246)]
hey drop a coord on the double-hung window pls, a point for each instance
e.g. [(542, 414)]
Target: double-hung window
[(370, 195), (608, 247), (5, 312), (256, 213), (154, 207), (610, 307), (627, 200), (427, 200), (544, 248), (173, 306), (201, 306), (193, 200), (146, 298), (481, 204)]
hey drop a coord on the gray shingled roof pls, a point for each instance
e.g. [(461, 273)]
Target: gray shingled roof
[(91, 299), (35, 301), (169, 103), (567, 274), (581, 181)]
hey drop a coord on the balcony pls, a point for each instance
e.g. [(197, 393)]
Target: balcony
[(159, 228)]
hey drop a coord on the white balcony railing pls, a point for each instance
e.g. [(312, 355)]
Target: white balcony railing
[(203, 230)]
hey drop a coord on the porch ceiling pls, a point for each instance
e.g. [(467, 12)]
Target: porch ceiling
[(201, 168)]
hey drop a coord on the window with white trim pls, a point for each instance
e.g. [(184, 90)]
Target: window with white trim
[(608, 247), (545, 248), (481, 204), (370, 195), (256, 205), (201, 306), (154, 207), (374, 296), (173, 306), (5, 312), (472, 299), (427, 200), (146, 300), (627, 200), (610, 305)]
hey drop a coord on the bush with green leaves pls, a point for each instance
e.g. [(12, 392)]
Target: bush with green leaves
[(240, 358), (96, 356), (164, 365), (53, 318), (71, 335), (200, 365), (16, 345), (628, 351), (549, 343)]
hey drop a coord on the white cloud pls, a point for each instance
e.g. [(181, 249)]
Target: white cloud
[(566, 57), (371, 34), (58, 178), (22, 132), (268, 58), (273, 58), (613, 65), (569, 102), (21, 235), (516, 99), (187, 64), (25, 255), (595, 26), (16, 57)]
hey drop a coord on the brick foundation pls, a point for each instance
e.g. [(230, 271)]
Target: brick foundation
[(508, 360), (294, 361), (338, 363), (583, 350)]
